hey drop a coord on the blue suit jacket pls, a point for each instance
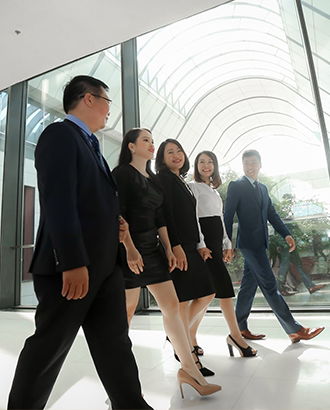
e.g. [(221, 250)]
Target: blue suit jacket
[(252, 217)]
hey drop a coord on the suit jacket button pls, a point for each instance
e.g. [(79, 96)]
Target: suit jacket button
[(119, 218), (116, 193), (57, 263)]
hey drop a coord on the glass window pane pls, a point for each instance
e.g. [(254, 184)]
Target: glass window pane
[(45, 107), (235, 77)]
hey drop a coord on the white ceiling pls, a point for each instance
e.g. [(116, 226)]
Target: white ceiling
[(39, 35)]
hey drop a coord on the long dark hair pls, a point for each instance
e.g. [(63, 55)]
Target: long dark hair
[(160, 157), (216, 179), (125, 156)]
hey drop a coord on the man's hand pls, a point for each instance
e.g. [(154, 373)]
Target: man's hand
[(290, 241), (205, 253), (75, 283), (123, 229), (181, 258), (227, 255)]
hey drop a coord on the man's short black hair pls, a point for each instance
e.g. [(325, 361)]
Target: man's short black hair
[(78, 87), (251, 153)]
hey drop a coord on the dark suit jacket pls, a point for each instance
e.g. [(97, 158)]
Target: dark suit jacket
[(252, 217), (179, 209), (79, 205)]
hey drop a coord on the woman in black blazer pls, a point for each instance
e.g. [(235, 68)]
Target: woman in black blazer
[(192, 279)]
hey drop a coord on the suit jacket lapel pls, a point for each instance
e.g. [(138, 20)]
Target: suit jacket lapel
[(251, 189), (184, 188), (106, 171)]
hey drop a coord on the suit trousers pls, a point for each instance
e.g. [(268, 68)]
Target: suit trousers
[(102, 316), (257, 272)]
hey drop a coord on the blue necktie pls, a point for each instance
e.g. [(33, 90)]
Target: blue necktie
[(257, 192), (96, 147)]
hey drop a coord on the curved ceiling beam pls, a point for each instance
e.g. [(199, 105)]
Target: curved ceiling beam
[(217, 55), (265, 126), (269, 36), (257, 139), (200, 24), (237, 81), (242, 69), (243, 101)]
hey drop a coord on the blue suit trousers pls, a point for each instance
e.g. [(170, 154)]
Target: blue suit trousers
[(257, 272)]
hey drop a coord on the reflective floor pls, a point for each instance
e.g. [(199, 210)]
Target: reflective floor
[(283, 376)]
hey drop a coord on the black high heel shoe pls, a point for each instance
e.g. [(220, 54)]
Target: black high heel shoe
[(204, 370), (243, 351), (175, 355), (199, 350)]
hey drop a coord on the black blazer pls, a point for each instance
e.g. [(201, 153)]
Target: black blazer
[(252, 217), (179, 209), (79, 205)]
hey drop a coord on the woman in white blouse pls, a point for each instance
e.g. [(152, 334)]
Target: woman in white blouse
[(210, 214)]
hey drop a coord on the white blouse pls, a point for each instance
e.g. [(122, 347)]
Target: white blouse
[(209, 203)]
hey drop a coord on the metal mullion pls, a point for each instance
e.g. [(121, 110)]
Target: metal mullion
[(313, 80), (12, 209)]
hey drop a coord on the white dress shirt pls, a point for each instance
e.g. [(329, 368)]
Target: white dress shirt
[(209, 203)]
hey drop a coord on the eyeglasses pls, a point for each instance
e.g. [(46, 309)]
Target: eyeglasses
[(99, 96)]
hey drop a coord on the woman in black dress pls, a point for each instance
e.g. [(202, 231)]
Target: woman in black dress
[(210, 213), (144, 263), (192, 280)]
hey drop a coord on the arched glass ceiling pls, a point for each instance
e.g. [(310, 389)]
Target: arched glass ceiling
[(229, 76), (181, 62), (45, 93)]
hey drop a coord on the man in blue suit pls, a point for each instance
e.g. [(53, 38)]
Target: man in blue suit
[(250, 200)]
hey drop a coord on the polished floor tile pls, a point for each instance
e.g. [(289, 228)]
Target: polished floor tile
[(284, 376)]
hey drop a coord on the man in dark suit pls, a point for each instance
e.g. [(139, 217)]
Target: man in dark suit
[(250, 200), (76, 277)]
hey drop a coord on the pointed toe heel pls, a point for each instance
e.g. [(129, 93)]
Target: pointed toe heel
[(184, 377), (243, 351), (204, 370)]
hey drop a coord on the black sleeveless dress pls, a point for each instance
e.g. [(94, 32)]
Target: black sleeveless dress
[(141, 203)]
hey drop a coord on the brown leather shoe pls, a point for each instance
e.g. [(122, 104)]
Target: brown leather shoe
[(316, 288), (252, 336), (305, 333), (284, 292)]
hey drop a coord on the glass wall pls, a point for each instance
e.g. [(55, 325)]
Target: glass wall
[(235, 78), (232, 78), (44, 106), (317, 17)]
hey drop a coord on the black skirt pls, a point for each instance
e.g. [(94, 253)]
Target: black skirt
[(155, 268), (196, 282), (212, 230)]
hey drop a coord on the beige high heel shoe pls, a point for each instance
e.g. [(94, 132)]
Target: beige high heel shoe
[(184, 377)]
